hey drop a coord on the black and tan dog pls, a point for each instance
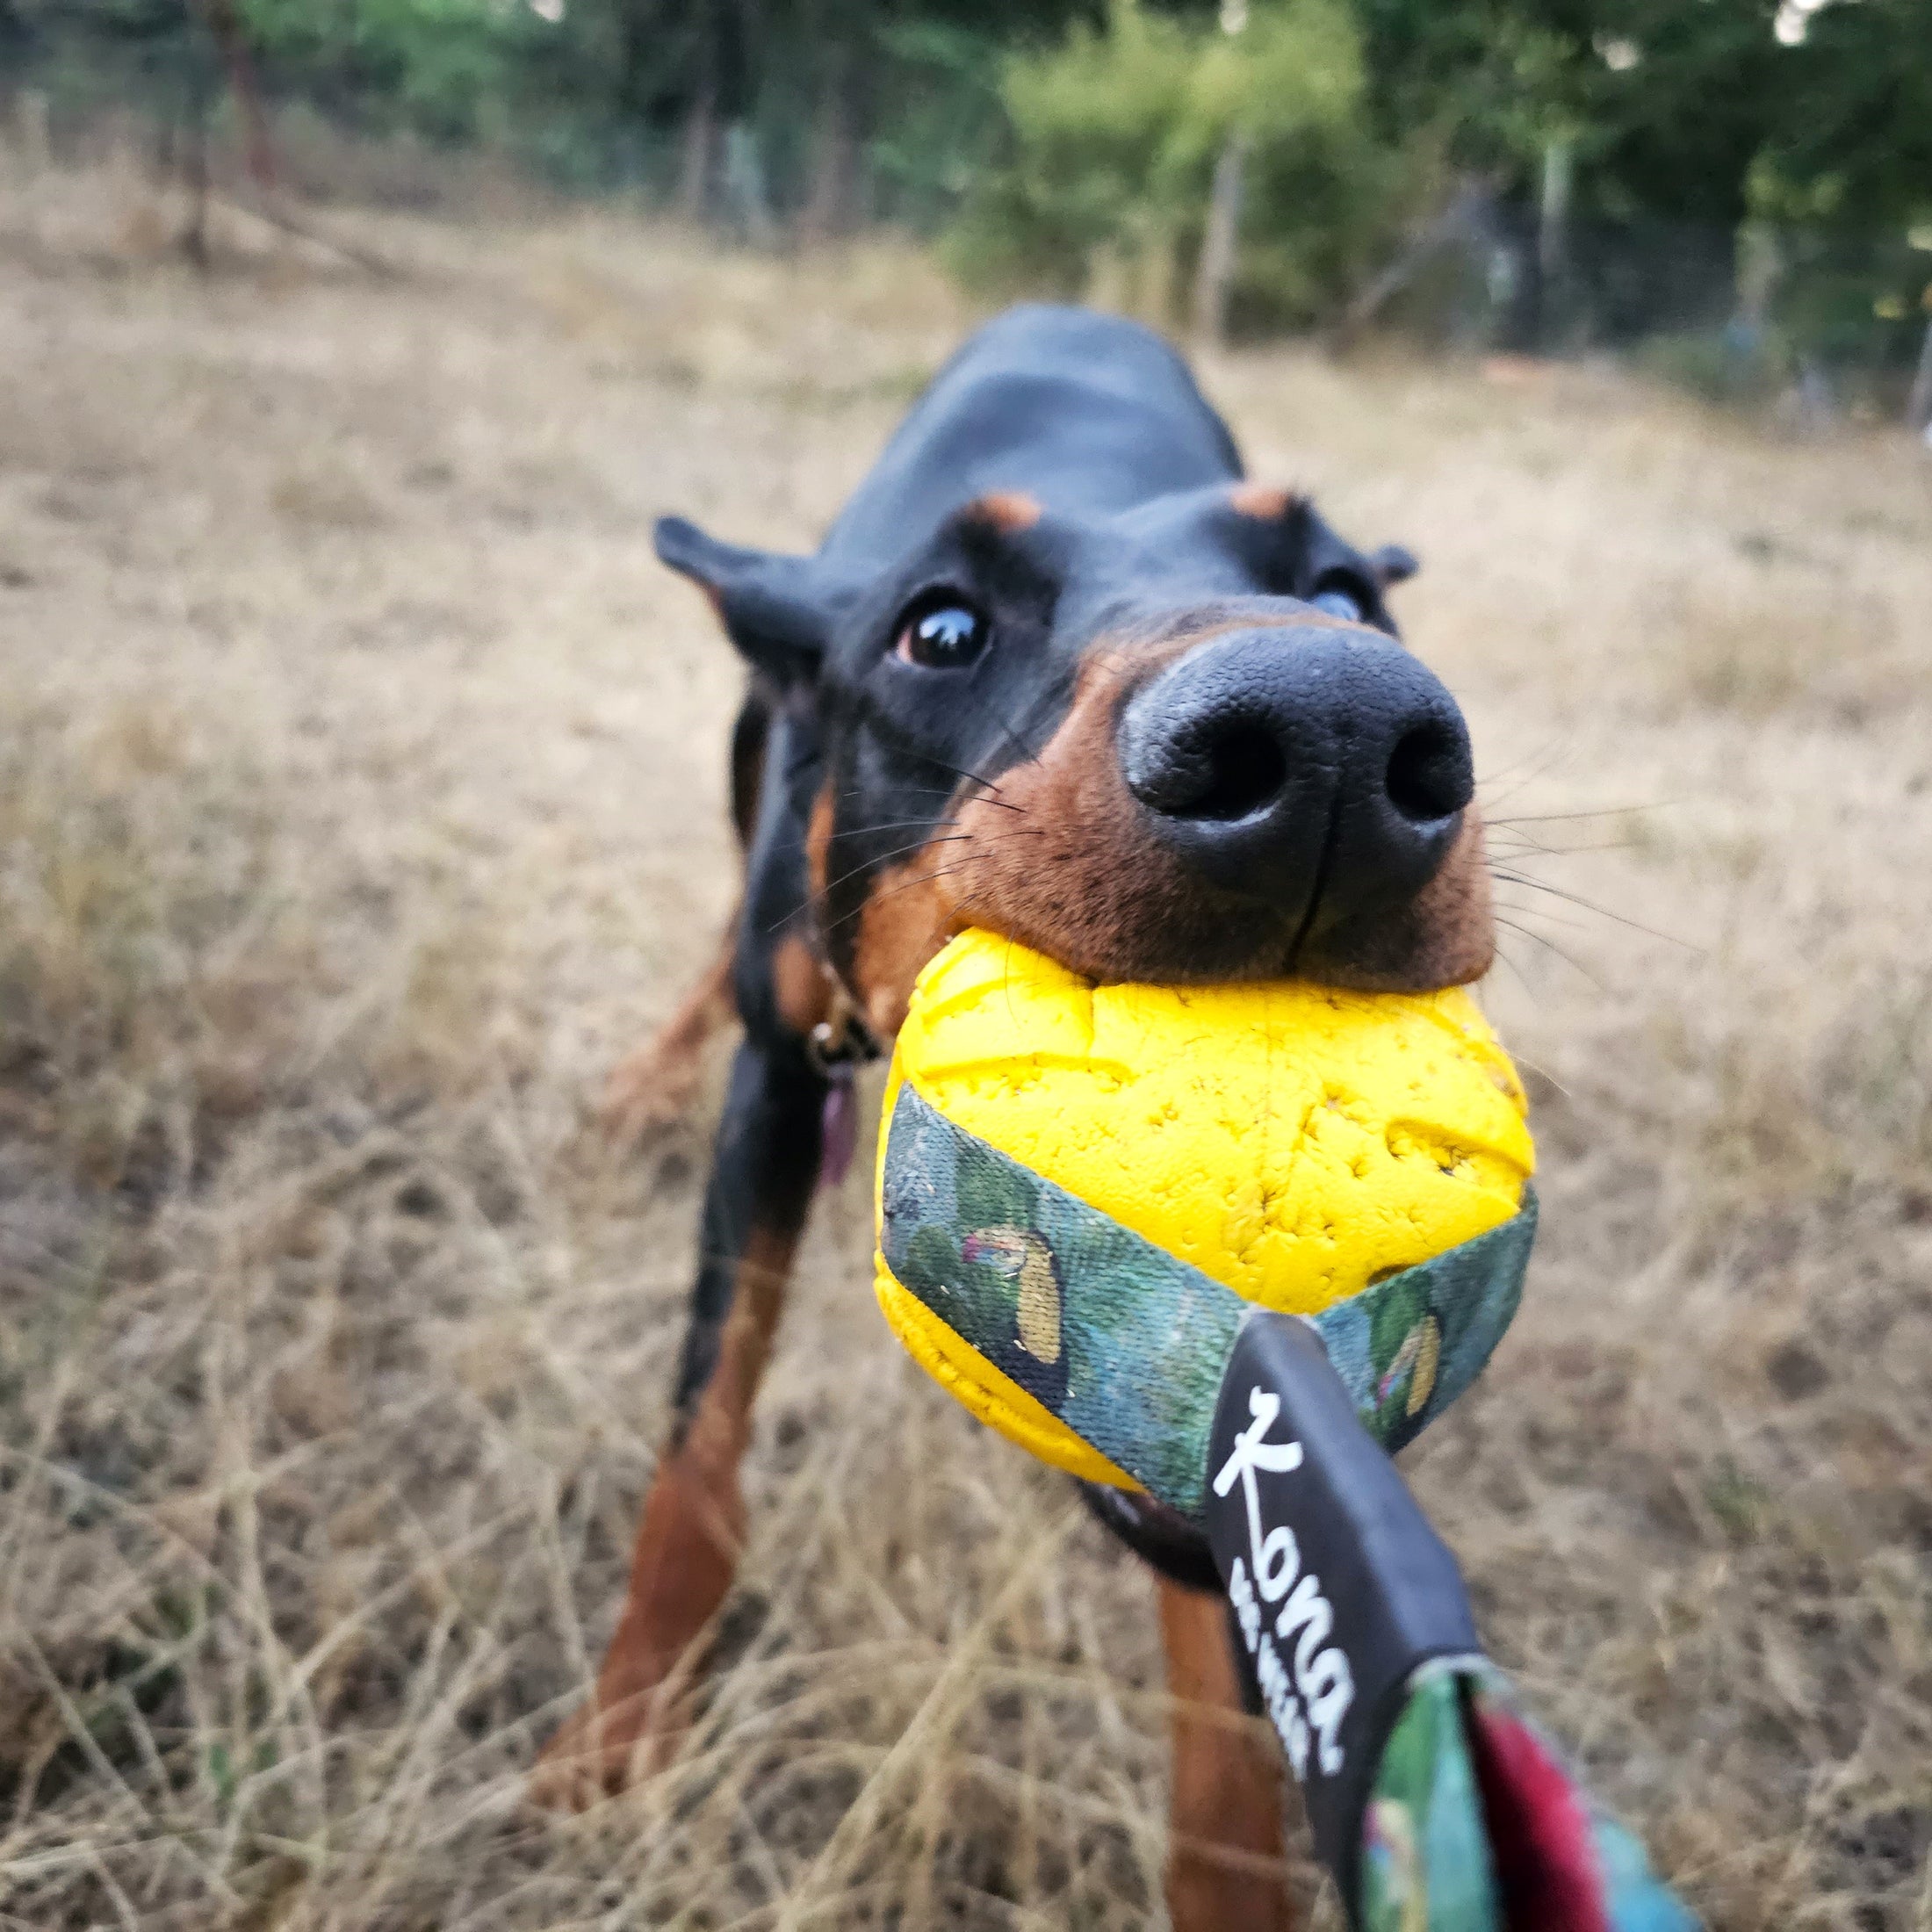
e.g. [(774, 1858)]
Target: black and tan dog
[(1058, 671)]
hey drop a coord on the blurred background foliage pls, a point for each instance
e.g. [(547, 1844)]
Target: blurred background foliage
[(1740, 189)]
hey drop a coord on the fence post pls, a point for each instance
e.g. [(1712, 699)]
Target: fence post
[(1553, 239), (1552, 235), (827, 198), (745, 186), (31, 119), (1219, 245), (1918, 406), (696, 161)]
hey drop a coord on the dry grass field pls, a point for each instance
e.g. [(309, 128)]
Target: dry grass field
[(361, 803)]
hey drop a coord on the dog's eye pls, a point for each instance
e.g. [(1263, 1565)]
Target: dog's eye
[(943, 637), (1338, 600)]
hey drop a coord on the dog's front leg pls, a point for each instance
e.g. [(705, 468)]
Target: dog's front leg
[(1225, 1830), (655, 1085), (694, 1516)]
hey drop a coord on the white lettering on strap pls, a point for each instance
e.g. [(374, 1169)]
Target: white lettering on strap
[(1323, 1686)]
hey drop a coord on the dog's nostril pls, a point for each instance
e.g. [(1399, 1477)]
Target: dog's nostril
[(1429, 776), (1244, 768)]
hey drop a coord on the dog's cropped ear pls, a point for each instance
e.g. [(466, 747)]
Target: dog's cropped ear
[(1291, 548), (773, 606), (1394, 565)]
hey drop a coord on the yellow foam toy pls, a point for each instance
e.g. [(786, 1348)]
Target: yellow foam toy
[(1293, 1143)]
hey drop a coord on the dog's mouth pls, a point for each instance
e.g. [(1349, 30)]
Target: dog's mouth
[(1127, 911), (1279, 802), (1288, 801)]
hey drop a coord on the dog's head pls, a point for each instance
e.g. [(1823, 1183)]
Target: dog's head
[(1181, 743)]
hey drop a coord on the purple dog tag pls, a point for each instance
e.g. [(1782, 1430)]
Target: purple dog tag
[(838, 1129)]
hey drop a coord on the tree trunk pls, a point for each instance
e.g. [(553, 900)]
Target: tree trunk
[(1467, 219), (1760, 268), (232, 43), (164, 155), (1220, 244), (694, 168)]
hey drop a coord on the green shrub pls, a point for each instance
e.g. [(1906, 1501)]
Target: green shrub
[(1719, 364), (1112, 137)]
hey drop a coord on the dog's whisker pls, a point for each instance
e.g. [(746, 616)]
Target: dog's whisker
[(992, 798), (1530, 767), (906, 886), (890, 825), (1575, 965), (1590, 906), (930, 791), (947, 791), (1506, 878), (1522, 847), (979, 839), (1541, 913), (960, 771), (1598, 811), (1504, 959), (814, 900), (1516, 1053)]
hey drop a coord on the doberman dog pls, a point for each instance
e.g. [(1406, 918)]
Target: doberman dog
[(1059, 671)]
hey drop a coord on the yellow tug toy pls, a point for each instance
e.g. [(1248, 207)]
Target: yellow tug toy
[(1068, 1171), (1100, 1209)]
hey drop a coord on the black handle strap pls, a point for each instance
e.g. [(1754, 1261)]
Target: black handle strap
[(1340, 1587)]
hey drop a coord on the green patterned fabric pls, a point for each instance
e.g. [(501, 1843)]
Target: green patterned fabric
[(1128, 1347), (1425, 1849), (981, 1239), (1429, 1859)]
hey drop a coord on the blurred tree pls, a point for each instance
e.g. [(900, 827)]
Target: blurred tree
[(1853, 124), (928, 154), (447, 67), (1663, 130), (1115, 134), (15, 43), (1617, 147), (157, 51)]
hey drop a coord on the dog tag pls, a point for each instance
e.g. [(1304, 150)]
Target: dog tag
[(838, 1129)]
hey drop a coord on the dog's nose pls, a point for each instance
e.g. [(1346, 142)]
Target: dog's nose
[(1321, 771)]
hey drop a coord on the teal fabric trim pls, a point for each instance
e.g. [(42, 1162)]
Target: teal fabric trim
[(1426, 1846), (1635, 1899), (1127, 1344), (1451, 1310), (1144, 1339)]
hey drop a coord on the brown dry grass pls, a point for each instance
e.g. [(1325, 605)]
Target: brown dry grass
[(363, 802)]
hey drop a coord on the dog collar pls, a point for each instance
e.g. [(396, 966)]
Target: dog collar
[(838, 1045)]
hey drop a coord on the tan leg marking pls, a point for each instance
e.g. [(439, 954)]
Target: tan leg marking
[(685, 1555), (654, 1086), (1225, 1865)]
